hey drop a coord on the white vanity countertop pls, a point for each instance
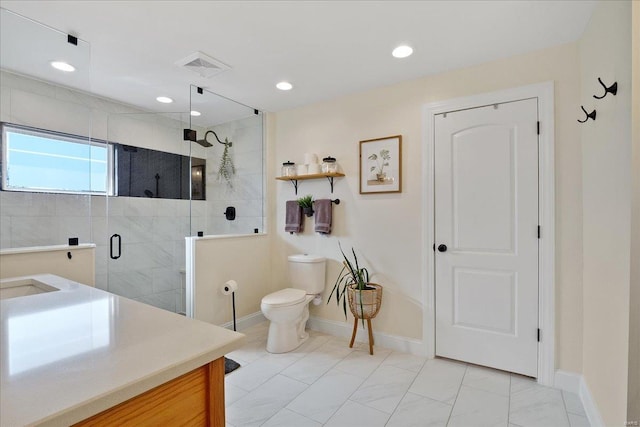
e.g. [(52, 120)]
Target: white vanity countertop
[(72, 353)]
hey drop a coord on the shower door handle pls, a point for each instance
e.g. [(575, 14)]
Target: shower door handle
[(119, 246)]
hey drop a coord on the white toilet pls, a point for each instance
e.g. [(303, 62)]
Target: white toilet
[(288, 309)]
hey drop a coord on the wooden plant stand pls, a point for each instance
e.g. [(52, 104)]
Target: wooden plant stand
[(365, 307)]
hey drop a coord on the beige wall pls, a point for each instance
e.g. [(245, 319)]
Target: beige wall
[(80, 268), (605, 51), (633, 404), (243, 259), (386, 229)]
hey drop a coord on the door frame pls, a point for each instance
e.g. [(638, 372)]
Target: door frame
[(546, 212)]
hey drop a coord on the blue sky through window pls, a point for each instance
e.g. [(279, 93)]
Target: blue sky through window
[(52, 164)]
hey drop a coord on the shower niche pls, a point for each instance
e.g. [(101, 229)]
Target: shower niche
[(143, 172)]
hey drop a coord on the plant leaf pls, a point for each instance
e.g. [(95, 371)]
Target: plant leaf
[(349, 265), (344, 306), (336, 287)]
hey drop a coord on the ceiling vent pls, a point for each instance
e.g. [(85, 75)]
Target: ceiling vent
[(203, 65)]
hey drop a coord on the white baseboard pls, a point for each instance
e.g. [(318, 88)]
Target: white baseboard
[(568, 381), (590, 407), (246, 321), (575, 383), (342, 329)]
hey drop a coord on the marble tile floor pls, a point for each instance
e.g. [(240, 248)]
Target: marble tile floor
[(325, 383)]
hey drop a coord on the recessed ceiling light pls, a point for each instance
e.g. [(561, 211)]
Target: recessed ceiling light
[(164, 99), (284, 86), (63, 66), (195, 113), (402, 51)]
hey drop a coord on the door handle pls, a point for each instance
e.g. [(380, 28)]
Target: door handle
[(111, 254), (442, 248)]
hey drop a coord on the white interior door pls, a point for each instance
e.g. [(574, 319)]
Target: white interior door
[(486, 234)]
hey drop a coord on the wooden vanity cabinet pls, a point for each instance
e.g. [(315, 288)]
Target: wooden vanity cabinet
[(193, 399)]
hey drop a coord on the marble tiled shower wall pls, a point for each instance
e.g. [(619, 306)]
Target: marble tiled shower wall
[(153, 231), (246, 190), (41, 219)]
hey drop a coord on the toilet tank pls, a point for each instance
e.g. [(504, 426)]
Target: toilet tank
[(307, 272)]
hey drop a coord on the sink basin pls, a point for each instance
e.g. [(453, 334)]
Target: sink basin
[(15, 288)]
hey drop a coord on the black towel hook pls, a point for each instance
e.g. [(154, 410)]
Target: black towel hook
[(613, 89), (591, 115)]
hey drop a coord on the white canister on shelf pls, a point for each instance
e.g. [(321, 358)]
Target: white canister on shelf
[(301, 169), (314, 169), (310, 158)]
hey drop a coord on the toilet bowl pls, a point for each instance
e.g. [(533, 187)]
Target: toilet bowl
[(288, 309)]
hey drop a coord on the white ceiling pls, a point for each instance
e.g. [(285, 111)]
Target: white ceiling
[(325, 49)]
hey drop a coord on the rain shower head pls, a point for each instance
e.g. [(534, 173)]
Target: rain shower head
[(190, 135), (204, 142)]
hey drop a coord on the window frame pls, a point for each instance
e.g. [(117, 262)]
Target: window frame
[(60, 136)]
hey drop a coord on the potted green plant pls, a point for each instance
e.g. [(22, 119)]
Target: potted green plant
[(306, 203), (365, 298)]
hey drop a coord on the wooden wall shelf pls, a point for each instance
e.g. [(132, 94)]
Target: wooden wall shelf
[(294, 179)]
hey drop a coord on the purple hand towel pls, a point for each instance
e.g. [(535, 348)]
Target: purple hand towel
[(293, 219), (323, 208)]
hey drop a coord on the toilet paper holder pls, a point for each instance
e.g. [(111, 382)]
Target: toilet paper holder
[(230, 287)]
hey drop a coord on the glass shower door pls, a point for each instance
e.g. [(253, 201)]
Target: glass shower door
[(148, 216)]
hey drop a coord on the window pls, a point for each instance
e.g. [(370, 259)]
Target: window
[(43, 161)]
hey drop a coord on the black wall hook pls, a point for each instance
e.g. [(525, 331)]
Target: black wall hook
[(613, 89), (591, 115)]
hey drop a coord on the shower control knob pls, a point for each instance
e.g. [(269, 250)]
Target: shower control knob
[(442, 248)]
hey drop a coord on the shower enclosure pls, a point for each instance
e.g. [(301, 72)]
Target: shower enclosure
[(175, 176), (141, 182)]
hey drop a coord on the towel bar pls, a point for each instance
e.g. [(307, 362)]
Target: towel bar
[(336, 201)]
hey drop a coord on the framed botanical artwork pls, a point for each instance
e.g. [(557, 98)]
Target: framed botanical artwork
[(381, 165)]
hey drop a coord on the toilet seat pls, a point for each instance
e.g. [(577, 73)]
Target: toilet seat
[(285, 297)]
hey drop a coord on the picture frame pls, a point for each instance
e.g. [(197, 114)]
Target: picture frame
[(381, 165)]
